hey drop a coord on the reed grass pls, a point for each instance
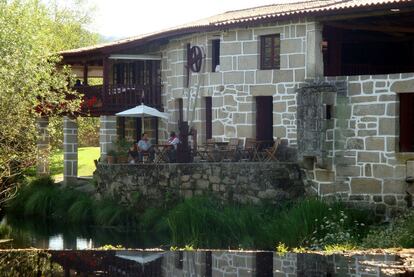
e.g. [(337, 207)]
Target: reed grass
[(201, 221)]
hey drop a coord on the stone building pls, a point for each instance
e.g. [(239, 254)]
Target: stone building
[(334, 78)]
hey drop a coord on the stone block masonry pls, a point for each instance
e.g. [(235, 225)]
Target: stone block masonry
[(366, 167), (107, 134), (70, 149), (43, 147), (240, 79), (239, 182)]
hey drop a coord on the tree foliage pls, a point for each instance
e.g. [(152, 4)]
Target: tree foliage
[(31, 82)]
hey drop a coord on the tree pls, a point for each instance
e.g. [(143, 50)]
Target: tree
[(31, 84)]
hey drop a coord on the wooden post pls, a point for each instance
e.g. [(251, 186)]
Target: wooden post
[(106, 69), (85, 74)]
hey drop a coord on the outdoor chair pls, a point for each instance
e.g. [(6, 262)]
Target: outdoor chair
[(269, 154), (248, 153), (232, 150), (205, 151)]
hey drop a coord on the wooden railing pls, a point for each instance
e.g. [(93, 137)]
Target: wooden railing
[(117, 98)]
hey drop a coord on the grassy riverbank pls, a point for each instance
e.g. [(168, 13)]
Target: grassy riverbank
[(207, 223), (86, 166)]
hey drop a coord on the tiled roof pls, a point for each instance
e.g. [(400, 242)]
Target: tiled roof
[(251, 15)]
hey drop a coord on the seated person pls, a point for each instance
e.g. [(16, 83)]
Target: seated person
[(133, 154), (173, 141), (145, 147)]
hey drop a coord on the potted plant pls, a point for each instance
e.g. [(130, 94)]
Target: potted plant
[(111, 156), (122, 147)]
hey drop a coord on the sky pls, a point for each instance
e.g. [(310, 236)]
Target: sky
[(124, 18)]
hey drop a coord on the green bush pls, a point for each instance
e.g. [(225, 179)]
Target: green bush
[(398, 233), (315, 223), (109, 213), (81, 210), (44, 200), (205, 222), (18, 204)]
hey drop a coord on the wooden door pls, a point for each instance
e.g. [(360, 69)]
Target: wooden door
[(264, 118), (406, 122)]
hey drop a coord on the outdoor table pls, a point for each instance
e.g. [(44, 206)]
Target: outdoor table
[(161, 152)]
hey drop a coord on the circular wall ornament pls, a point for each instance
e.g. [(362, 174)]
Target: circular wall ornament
[(195, 58)]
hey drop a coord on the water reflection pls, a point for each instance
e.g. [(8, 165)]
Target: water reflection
[(44, 235)]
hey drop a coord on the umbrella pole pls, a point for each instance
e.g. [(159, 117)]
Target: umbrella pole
[(142, 124)]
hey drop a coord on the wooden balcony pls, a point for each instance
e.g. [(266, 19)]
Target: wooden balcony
[(115, 98)]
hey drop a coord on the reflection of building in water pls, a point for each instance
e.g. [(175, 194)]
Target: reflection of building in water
[(56, 242), (109, 263), (59, 242), (82, 244), (230, 263)]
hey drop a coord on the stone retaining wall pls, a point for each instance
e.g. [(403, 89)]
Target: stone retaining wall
[(241, 182)]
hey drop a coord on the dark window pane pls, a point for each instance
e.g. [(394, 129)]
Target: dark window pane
[(270, 52), (215, 55), (406, 122)]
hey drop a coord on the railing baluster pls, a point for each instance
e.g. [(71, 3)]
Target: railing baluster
[(116, 98)]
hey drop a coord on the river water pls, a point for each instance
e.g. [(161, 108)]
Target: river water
[(26, 233), (71, 251)]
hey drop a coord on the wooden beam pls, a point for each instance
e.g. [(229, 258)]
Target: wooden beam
[(366, 14), (106, 65), (382, 29), (135, 57), (85, 74)]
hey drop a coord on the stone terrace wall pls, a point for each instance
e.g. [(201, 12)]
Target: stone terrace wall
[(233, 89), (241, 182), (366, 167), (245, 263)]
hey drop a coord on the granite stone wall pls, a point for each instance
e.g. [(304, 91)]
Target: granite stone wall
[(234, 87), (364, 165), (240, 182), (43, 146)]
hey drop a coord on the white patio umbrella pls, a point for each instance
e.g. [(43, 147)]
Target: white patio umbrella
[(142, 111)]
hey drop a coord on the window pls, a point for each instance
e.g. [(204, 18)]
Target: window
[(180, 111), (406, 122), (209, 117), (270, 52), (215, 55)]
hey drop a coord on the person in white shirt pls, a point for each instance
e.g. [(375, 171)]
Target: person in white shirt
[(145, 146)]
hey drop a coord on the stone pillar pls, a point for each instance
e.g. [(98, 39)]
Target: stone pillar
[(43, 146), (107, 134), (70, 149), (314, 57)]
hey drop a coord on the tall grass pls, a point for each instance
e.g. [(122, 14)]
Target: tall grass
[(204, 222), (44, 200)]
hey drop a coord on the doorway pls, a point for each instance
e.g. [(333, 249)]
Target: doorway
[(264, 118)]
